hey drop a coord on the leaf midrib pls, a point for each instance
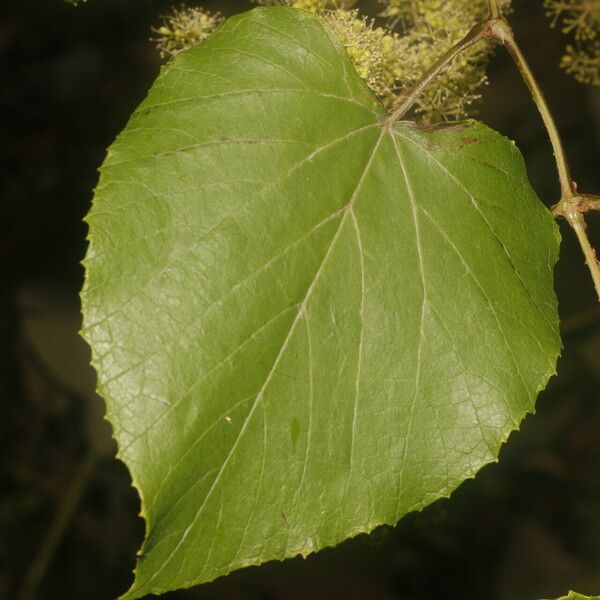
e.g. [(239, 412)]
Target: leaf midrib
[(280, 354)]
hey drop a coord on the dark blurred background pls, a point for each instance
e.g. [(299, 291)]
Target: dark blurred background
[(525, 528)]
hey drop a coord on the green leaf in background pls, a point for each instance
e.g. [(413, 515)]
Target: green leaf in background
[(576, 596), (305, 324)]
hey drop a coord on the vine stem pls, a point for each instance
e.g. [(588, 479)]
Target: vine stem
[(577, 222), (571, 204), (406, 100), (502, 31), (494, 11)]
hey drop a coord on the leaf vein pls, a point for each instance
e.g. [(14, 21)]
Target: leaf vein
[(274, 367)]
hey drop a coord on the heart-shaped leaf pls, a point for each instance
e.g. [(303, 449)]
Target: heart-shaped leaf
[(305, 323)]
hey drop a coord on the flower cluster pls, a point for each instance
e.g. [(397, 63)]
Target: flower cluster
[(583, 63), (390, 50), (427, 29), (374, 51), (581, 20), (183, 28), (314, 6), (413, 34)]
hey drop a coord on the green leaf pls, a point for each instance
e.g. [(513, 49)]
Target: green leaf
[(576, 596), (305, 324)]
